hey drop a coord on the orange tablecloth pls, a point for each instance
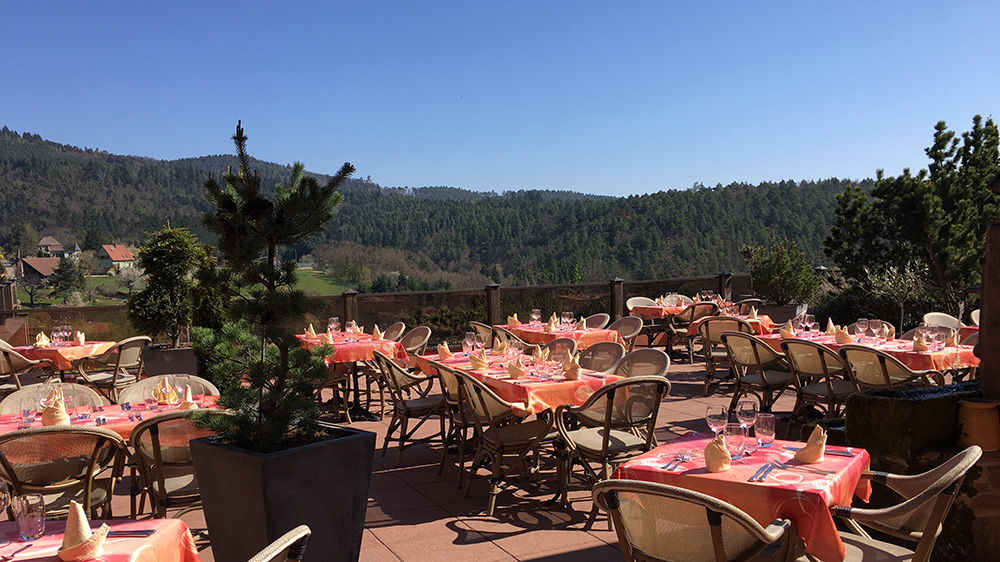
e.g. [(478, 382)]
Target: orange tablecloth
[(535, 395), (584, 338), (172, 542), (655, 312), (960, 357), (63, 355), (802, 497), (360, 350), (761, 325)]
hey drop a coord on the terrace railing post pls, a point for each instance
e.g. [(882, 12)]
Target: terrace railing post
[(988, 348), (726, 285), (493, 304), (617, 286), (350, 305)]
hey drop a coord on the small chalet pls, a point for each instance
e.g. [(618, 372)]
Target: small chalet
[(50, 247), (37, 269), (114, 256)]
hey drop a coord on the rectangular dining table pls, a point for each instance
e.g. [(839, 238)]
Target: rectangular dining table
[(531, 394), (585, 337), (361, 349), (762, 324), (959, 357), (655, 311), (800, 494), (65, 355), (171, 541)]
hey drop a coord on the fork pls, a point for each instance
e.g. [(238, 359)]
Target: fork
[(779, 464), (683, 455), (7, 557)]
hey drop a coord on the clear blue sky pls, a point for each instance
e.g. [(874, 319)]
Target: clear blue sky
[(600, 97)]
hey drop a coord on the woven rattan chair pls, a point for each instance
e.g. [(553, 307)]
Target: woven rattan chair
[(61, 463), (415, 341), (484, 331), (657, 522), (561, 348), (11, 403), (499, 434), (394, 331), (508, 337), (710, 333), (639, 301), (287, 548), (598, 321), (746, 304), (877, 370), (136, 393), (20, 372), (110, 372), (916, 520), (643, 363), (163, 459), (942, 319), (602, 356), (614, 425), (821, 379), (974, 316), (424, 408), (680, 322), (629, 327), (458, 422), (750, 358)]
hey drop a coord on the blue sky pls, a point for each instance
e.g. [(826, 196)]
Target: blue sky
[(612, 98)]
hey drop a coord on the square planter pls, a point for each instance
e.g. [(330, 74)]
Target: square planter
[(250, 499)]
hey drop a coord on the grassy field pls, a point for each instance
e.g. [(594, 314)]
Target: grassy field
[(317, 283)]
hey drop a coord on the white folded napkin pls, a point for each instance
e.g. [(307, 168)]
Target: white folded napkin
[(443, 352), (54, 412), (310, 332), (79, 338), (753, 313), (516, 368)]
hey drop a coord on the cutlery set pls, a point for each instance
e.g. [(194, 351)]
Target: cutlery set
[(761, 473), (681, 457)]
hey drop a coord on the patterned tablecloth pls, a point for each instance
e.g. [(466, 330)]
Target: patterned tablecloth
[(360, 350), (802, 497), (172, 542), (64, 355), (531, 394), (960, 357), (761, 325), (584, 338), (655, 312)]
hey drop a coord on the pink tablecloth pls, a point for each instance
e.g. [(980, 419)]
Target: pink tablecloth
[(960, 357), (172, 542), (531, 394), (802, 497), (655, 312), (584, 338), (361, 350), (761, 325), (63, 355)]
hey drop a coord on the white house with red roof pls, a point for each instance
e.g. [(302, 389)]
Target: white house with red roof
[(114, 256)]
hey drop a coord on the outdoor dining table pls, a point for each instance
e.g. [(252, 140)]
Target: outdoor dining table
[(65, 355), (531, 394), (171, 541), (655, 311), (800, 494), (361, 349), (959, 357), (585, 337), (761, 325)]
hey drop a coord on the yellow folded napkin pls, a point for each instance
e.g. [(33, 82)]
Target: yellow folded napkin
[(572, 369), (310, 332), (478, 361), (890, 332), (326, 338), (831, 328), (165, 393), (377, 334), (499, 347), (813, 451), (512, 321), (540, 354), (553, 319), (443, 352), (753, 313), (841, 336), (41, 340), (660, 301), (786, 330), (717, 457), (361, 329), (55, 410), (551, 326), (952, 339), (516, 369), (188, 402), (919, 344), (79, 543), (79, 338), (582, 324)]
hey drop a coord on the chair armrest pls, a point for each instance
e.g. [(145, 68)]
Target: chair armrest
[(775, 530)]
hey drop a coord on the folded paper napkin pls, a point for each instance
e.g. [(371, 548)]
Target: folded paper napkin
[(79, 338), (831, 328), (553, 319), (188, 402), (813, 451), (952, 339), (55, 412), (572, 369), (540, 354), (786, 330), (889, 331), (841, 336), (717, 457), (443, 352), (361, 329), (377, 334), (919, 344), (753, 313), (660, 301), (551, 326), (582, 324), (79, 543), (499, 347), (41, 340), (326, 338), (310, 332), (512, 321), (165, 393), (516, 369), (478, 361)]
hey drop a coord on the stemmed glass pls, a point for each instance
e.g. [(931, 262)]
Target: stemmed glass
[(860, 328), (876, 328), (29, 409), (809, 323), (716, 416), (746, 413), (536, 317), (469, 343), (567, 320), (333, 326), (351, 329), (480, 342)]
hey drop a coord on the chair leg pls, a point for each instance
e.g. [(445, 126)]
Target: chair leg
[(496, 476), (402, 440), (393, 424)]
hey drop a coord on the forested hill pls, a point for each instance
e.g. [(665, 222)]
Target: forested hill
[(517, 237)]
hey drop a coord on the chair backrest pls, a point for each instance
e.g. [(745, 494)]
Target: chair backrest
[(639, 301), (415, 341), (745, 304), (449, 382), (286, 548), (484, 330), (647, 362), (602, 356), (711, 329), (942, 319), (125, 354), (974, 315), (164, 440), (628, 404), (395, 377), (973, 339), (136, 392), (660, 522), (814, 362), (695, 311), (485, 407), (628, 326), (748, 353), (874, 369), (599, 320), (561, 348), (394, 331)]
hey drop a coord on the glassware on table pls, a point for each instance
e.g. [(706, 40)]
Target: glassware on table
[(29, 512), (333, 325), (860, 328), (746, 413), (198, 393), (567, 319), (736, 439), (480, 341), (44, 392), (716, 416), (69, 393), (469, 343), (351, 328), (84, 407), (536, 317), (764, 430), (516, 348), (152, 402), (29, 409)]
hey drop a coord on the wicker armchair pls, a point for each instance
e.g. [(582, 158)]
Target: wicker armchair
[(562, 349), (424, 408), (394, 331), (680, 322), (602, 356), (629, 327), (459, 423), (875, 370), (415, 341), (287, 548), (598, 321), (643, 363), (710, 332), (821, 379), (750, 356), (21, 371), (112, 368)]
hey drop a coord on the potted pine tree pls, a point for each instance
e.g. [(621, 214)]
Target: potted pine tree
[(783, 276), (273, 465)]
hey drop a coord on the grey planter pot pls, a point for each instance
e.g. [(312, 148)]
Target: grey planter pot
[(169, 361), (782, 314), (250, 499)]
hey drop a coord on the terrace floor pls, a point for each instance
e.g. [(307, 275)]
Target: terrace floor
[(416, 515)]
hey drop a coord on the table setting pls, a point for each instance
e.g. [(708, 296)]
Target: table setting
[(351, 344), (64, 348), (564, 326)]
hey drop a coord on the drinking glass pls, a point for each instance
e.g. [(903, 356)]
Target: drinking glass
[(810, 321), (29, 409), (333, 325), (764, 429), (152, 402), (716, 416), (43, 394), (480, 341), (198, 393), (736, 439), (69, 395), (746, 413), (4, 495), (84, 407), (567, 318), (29, 512), (536, 316), (469, 343), (860, 328)]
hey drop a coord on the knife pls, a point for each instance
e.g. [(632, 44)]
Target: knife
[(826, 451), (132, 533), (757, 474)]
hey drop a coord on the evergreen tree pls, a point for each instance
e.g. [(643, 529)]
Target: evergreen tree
[(67, 279)]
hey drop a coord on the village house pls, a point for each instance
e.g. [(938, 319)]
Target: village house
[(114, 256), (37, 269), (49, 247)]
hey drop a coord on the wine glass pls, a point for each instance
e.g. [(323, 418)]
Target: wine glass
[(875, 327), (716, 416), (333, 325), (29, 409), (469, 343), (736, 439), (197, 393), (860, 328), (810, 321), (480, 342), (567, 319), (150, 399), (536, 317), (746, 413)]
